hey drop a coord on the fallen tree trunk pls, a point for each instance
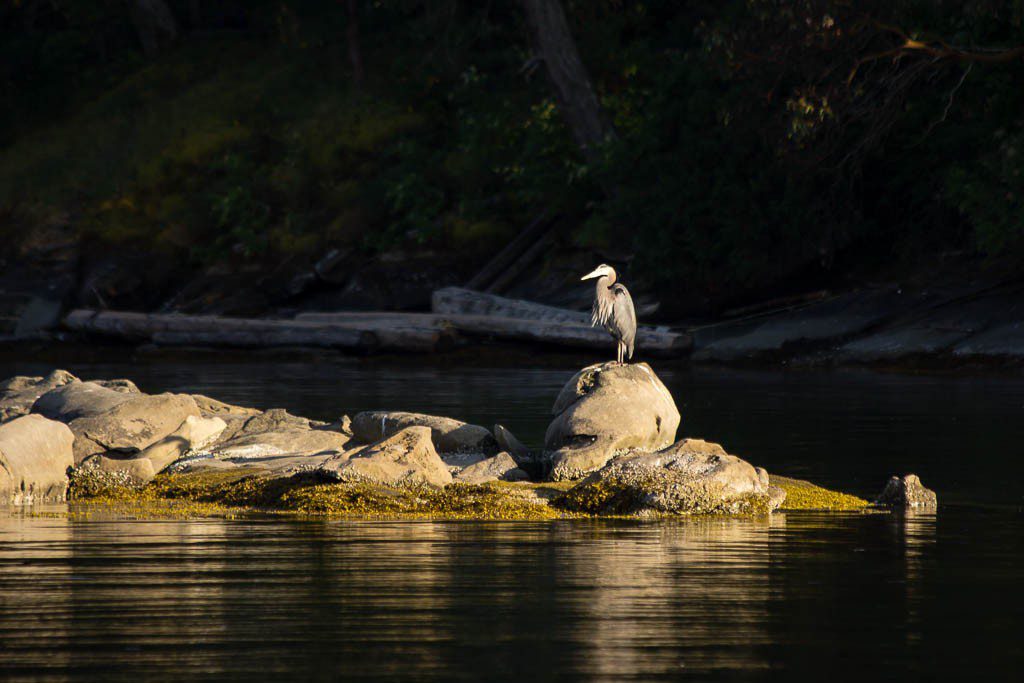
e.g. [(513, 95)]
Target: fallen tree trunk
[(650, 341), (184, 330), (364, 332), (573, 333)]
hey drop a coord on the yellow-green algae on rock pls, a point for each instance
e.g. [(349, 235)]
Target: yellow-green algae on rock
[(235, 492), (240, 491), (803, 495), (619, 497)]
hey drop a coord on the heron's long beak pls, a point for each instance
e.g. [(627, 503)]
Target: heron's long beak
[(592, 274)]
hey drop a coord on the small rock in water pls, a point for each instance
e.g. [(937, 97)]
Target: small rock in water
[(906, 492), (500, 467)]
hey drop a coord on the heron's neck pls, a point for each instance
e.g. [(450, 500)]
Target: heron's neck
[(605, 282)]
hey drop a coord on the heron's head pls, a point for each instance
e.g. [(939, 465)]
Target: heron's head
[(600, 271)]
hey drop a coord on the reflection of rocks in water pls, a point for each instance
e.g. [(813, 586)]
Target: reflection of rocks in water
[(35, 575), (914, 530), (657, 599)]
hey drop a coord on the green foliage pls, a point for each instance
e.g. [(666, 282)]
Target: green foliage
[(746, 154), (989, 194)]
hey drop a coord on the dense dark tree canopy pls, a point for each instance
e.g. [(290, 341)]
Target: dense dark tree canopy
[(731, 146)]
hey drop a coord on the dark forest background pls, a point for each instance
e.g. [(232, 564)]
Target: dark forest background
[(720, 150)]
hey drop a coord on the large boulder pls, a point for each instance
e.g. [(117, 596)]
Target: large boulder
[(35, 455), (607, 409), (407, 457), (689, 477), (449, 435), (114, 419), (17, 394)]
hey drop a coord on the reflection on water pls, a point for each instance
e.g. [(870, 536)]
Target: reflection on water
[(714, 598)]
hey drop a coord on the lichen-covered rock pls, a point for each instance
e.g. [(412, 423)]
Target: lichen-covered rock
[(35, 455), (407, 457), (690, 477), (906, 492), (501, 467), (17, 394), (449, 435), (605, 409)]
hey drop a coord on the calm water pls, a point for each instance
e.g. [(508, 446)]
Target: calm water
[(800, 596)]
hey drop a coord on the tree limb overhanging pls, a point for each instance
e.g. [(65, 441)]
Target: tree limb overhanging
[(937, 49)]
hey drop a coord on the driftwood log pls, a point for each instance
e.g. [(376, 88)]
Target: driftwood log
[(189, 330), (368, 332)]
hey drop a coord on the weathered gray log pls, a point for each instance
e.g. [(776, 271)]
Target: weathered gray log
[(456, 300), (564, 327), (178, 330), (650, 342), (360, 331)]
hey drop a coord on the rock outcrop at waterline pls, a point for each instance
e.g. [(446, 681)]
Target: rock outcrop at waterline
[(607, 409), (613, 436), (35, 455), (691, 477)]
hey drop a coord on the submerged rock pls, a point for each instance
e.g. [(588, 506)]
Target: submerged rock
[(906, 492), (605, 409), (407, 457), (690, 477), (35, 455), (448, 435)]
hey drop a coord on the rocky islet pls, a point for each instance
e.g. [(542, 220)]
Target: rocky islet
[(611, 449)]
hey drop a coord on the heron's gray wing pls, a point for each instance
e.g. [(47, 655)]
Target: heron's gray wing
[(624, 316)]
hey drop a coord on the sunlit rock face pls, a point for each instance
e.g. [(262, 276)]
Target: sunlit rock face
[(607, 409), (691, 476), (119, 418), (35, 455), (407, 457)]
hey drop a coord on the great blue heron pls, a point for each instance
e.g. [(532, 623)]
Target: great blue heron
[(613, 308)]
